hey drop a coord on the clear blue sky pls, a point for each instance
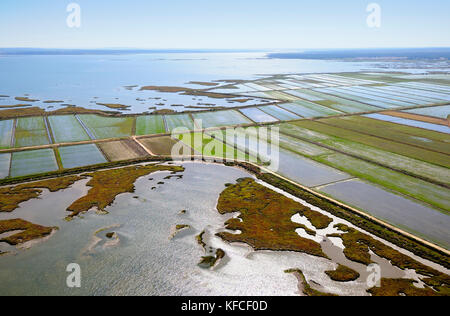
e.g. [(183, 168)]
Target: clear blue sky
[(251, 24)]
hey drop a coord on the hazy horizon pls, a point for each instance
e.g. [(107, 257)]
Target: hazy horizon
[(200, 24)]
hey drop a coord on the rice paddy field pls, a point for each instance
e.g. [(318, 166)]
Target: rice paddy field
[(5, 161), (413, 123), (210, 147), (425, 155), (6, 128), (108, 127), (80, 156), (308, 109), (150, 124), (122, 150), (31, 131), (438, 111), (372, 153), (221, 118), (178, 120), (163, 145), (279, 113), (67, 129), (404, 134), (434, 195), (258, 116), (411, 216), (32, 162)]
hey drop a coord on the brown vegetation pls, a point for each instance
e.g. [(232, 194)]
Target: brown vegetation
[(343, 274), (107, 184), (306, 288), (357, 247), (400, 287), (207, 84), (25, 99), (11, 197), (28, 231), (115, 106), (265, 219)]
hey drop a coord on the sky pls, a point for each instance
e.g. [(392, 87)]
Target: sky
[(230, 24)]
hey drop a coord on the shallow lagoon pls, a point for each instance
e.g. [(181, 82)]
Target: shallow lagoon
[(146, 261), (84, 80)]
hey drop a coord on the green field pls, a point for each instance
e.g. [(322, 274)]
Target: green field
[(80, 156), (31, 131), (150, 124), (5, 160), (209, 146), (387, 145), (33, 162), (108, 127), (221, 118), (414, 136), (386, 158), (179, 120), (6, 133), (66, 128), (407, 185)]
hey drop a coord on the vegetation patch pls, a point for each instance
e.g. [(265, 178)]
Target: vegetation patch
[(11, 197), (25, 99), (107, 184), (307, 289), (200, 241), (115, 106), (14, 106), (265, 219), (178, 229), (28, 231), (356, 219), (401, 287), (211, 261), (343, 274), (358, 247)]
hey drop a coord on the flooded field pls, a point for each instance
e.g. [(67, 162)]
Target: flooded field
[(31, 131), (424, 125), (6, 128), (5, 160), (80, 155), (33, 162), (148, 125), (258, 116), (108, 127), (67, 129), (221, 118), (411, 216), (438, 111), (279, 113)]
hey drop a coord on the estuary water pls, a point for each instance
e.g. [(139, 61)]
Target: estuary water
[(145, 260), (85, 80)]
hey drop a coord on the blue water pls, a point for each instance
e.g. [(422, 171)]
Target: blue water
[(84, 80)]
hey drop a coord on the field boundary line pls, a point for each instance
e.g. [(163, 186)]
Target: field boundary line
[(86, 129), (13, 134), (148, 151)]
